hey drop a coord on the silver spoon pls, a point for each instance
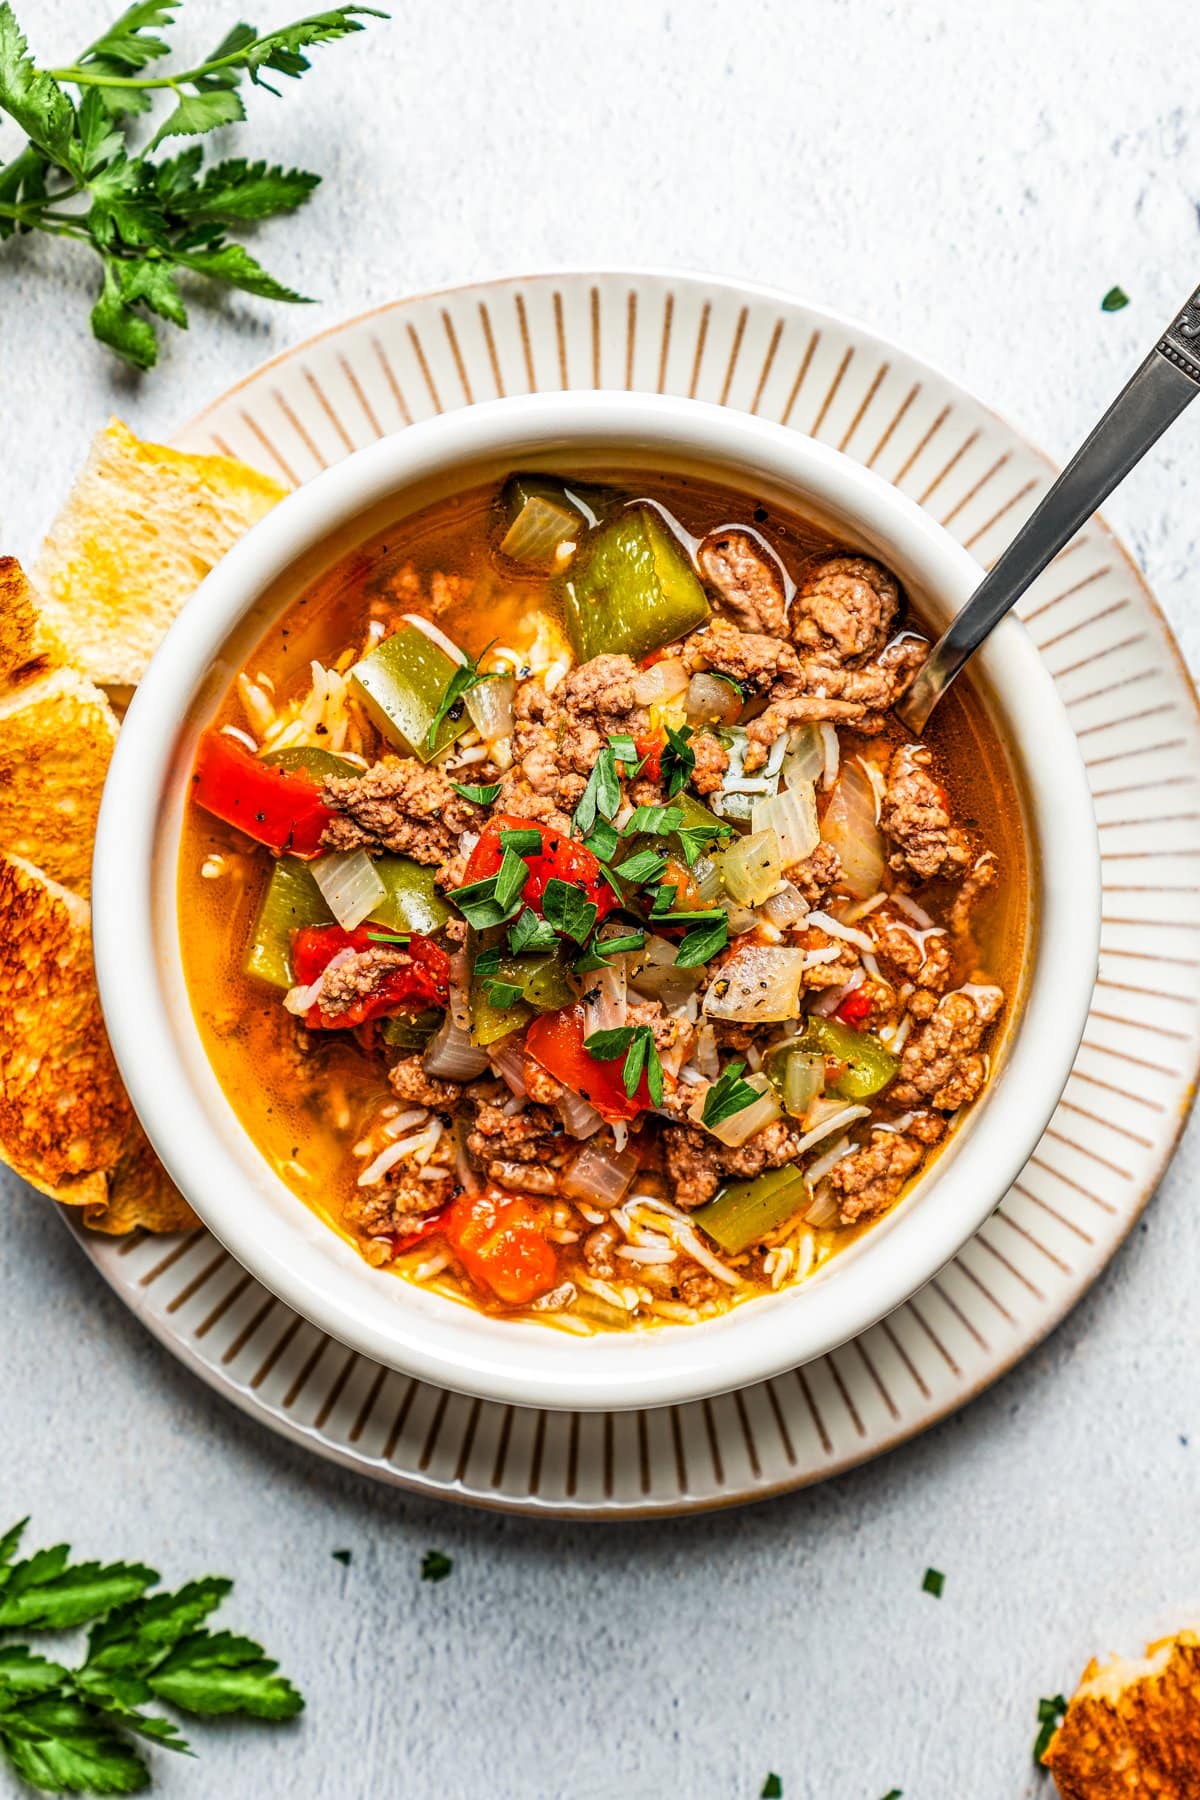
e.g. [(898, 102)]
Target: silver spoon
[(1155, 396)]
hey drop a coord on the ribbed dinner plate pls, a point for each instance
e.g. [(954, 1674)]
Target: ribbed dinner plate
[(1135, 712)]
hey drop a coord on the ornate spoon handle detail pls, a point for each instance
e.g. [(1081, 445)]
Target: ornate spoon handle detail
[(1151, 400)]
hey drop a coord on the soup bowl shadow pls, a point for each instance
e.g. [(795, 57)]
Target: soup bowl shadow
[(158, 1046)]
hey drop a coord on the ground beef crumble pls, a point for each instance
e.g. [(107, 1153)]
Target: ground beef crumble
[(915, 815), (399, 805), (747, 582)]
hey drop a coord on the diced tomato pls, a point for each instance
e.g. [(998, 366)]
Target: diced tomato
[(854, 1007), (559, 858), (281, 808), (498, 1241), (648, 661), (556, 1041), (409, 1240), (423, 980), (651, 746)]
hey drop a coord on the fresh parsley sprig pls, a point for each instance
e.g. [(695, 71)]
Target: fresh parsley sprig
[(636, 1044), (466, 677), (67, 1729), (478, 796), (728, 1094), (150, 222), (678, 759)]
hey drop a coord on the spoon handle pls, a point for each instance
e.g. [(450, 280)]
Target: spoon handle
[(1154, 396)]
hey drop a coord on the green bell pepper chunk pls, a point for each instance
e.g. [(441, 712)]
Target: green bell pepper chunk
[(401, 684), (634, 592), (291, 900), (869, 1066), (411, 901), (322, 764), (540, 976), (410, 1031), (745, 1212)]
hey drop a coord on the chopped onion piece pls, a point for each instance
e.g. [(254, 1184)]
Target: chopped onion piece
[(833, 754), (578, 1115), (607, 1003), (707, 877), (739, 1126), (451, 1056), (751, 868), (508, 1060), (712, 701), (349, 886), (661, 682), (490, 706), (542, 536), (460, 996), (822, 1212), (760, 983), (652, 972), (818, 1170), (849, 827), (805, 761), (601, 1174), (792, 816), (787, 907)]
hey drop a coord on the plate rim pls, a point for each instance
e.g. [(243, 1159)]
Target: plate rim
[(1002, 1363)]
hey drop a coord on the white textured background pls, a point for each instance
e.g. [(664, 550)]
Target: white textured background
[(970, 179)]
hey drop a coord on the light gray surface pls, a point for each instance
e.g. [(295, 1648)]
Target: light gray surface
[(972, 181)]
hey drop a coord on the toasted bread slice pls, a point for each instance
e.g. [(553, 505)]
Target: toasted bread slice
[(26, 650), (140, 1192), (56, 740), (64, 1115), (141, 529), (1132, 1729)]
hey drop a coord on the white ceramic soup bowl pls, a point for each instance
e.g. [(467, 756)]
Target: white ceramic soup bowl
[(158, 1046)]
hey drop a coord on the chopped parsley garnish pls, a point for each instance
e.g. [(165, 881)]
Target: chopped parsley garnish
[(604, 949), (478, 904), (500, 993), (601, 798), (1114, 300), (636, 1043), (694, 840), (436, 1565), (510, 878), (728, 1094), (894, 1794), (626, 753), (1051, 1714), (602, 840), (642, 867), (655, 821), (478, 796), (772, 1788), (664, 899), (528, 932), (342, 1556), (567, 910), (389, 937), (466, 676), (522, 843), (933, 1583), (678, 759), (704, 940)]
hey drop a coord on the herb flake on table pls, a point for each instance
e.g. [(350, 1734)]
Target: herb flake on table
[(933, 1583), (1115, 299), (342, 1556), (436, 1565), (772, 1788), (68, 1728), (151, 221), (1051, 1714)]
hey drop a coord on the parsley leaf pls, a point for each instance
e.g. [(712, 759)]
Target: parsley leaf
[(33, 98), (436, 1565), (478, 904), (567, 910), (604, 949), (601, 798), (626, 753), (728, 1094), (213, 1672), (772, 1788), (510, 878), (528, 932), (47, 1593), (1051, 1714), (642, 867), (655, 821), (664, 899), (602, 840), (478, 796), (466, 676), (237, 191), (933, 1583), (694, 840), (703, 942), (522, 843), (678, 759), (1114, 300), (342, 1556), (500, 993), (636, 1044)]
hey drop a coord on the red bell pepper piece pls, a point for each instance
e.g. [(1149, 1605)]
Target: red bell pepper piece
[(423, 980), (281, 808), (560, 858), (556, 1041), (650, 747), (854, 1007), (498, 1241)]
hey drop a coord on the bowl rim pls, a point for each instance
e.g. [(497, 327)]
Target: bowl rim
[(284, 1243)]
